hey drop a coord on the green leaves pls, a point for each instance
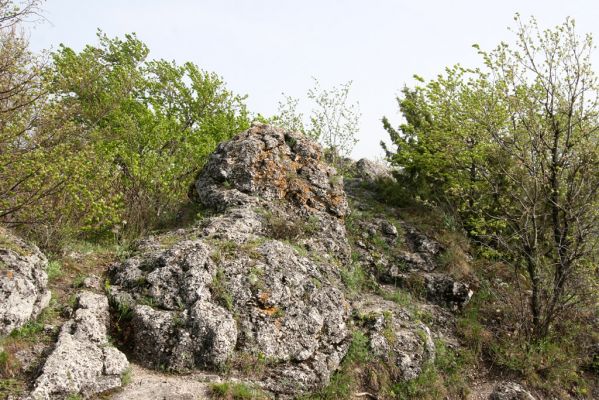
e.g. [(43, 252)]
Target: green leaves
[(150, 125), (333, 120), (513, 149), (127, 137)]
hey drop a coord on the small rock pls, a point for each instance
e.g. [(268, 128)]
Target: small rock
[(388, 229), (92, 282), (403, 345), (372, 172), (510, 391), (443, 289), (49, 329)]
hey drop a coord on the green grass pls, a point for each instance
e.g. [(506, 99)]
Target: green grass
[(354, 277), (399, 296), (54, 270), (11, 387), (4, 362), (126, 377), (344, 381), (236, 391), (219, 290), (443, 378), (29, 331), (78, 281)]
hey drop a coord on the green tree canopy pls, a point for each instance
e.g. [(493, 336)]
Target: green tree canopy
[(134, 132), (513, 148)]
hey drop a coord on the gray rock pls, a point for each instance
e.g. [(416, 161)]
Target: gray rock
[(510, 391), (427, 248), (270, 163), (443, 289), (413, 262), (372, 172), (92, 282), (388, 229), (82, 362), (403, 344), (267, 301), (218, 331), (23, 282), (241, 284)]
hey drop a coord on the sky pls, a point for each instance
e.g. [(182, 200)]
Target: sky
[(264, 48)]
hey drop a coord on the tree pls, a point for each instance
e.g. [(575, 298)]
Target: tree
[(333, 121), (27, 171), (444, 143), (104, 139), (551, 134), (514, 148), (145, 128)]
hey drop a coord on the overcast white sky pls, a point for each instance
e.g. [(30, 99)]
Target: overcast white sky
[(265, 47)]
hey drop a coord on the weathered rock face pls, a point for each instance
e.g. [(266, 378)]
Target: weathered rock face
[(272, 164), (402, 343), (416, 262), (283, 174), (23, 282), (443, 289), (256, 282), (82, 361), (510, 391)]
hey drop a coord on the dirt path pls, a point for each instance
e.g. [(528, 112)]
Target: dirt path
[(151, 385)]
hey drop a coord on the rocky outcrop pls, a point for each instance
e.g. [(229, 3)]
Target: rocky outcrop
[(82, 362), (257, 283), (23, 282), (283, 174), (445, 290), (413, 262), (510, 391), (271, 164)]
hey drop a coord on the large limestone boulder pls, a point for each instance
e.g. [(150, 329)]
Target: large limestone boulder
[(255, 286), (23, 282), (82, 362), (272, 164)]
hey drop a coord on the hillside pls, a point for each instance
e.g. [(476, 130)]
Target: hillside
[(291, 282)]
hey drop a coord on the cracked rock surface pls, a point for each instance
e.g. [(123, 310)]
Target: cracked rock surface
[(23, 282), (82, 362), (254, 282)]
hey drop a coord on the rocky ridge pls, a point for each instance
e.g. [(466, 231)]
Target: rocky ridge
[(257, 291)]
